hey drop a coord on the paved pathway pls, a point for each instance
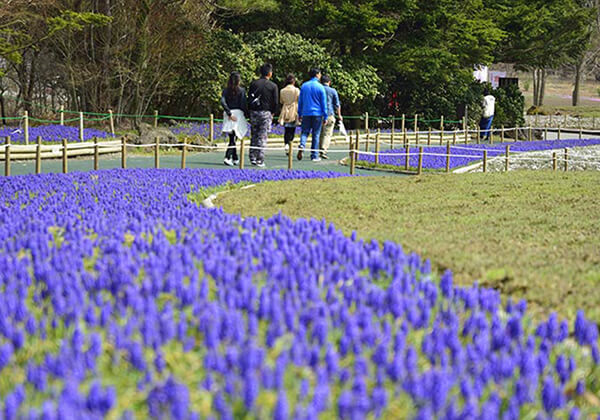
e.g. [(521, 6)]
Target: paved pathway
[(274, 160)]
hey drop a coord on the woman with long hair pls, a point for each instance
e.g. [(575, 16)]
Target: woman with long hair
[(289, 111), (233, 101)]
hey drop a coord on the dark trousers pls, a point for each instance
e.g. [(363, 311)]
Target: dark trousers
[(288, 136), (485, 125), (260, 122), (231, 152)]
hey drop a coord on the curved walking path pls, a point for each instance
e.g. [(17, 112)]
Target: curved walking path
[(275, 159)]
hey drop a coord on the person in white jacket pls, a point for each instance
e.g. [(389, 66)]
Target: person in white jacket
[(489, 108), (235, 125)]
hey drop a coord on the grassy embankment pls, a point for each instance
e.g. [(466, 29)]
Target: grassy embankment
[(529, 235)]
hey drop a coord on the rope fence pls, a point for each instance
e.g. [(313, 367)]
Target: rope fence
[(64, 151)]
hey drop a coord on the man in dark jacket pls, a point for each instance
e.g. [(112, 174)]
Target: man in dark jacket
[(263, 98)]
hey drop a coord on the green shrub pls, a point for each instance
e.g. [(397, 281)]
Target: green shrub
[(510, 104), (356, 82), (203, 74)]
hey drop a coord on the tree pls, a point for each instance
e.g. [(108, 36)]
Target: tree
[(427, 65), (25, 28), (543, 34), (591, 54)]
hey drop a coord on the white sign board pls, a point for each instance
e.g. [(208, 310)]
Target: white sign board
[(481, 74), (495, 77)]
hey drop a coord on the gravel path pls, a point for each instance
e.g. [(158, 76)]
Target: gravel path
[(579, 159)]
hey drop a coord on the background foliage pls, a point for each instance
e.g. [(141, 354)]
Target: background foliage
[(385, 56)]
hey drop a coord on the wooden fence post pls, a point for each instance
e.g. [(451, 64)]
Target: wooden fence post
[(351, 155), (7, 157), (530, 133), (537, 119), (558, 137), (407, 157), (392, 133), (211, 132), (429, 137), (157, 153), (291, 155), (404, 139), (183, 152), (506, 162), (96, 154), (26, 126), (65, 150), (62, 115), (454, 137), (420, 167), (366, 122), (441, 130), (123, 153), (580, 133), (377, 146), (38, 156), (243, 152), (155, 118), (356, 151), (554, 162), (550, 120), (111, 121), (466, 130), (545, 132), (566, 159), (478, 135), (448, 157), (485, 161), (367, 142), (417, 128), (81, 126)]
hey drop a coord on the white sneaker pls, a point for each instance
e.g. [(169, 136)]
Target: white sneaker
[(253, 162), (236, 162), (317, 159), (260, 164), (228, 162)]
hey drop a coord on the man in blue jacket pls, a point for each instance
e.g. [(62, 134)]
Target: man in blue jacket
[(312, 111)]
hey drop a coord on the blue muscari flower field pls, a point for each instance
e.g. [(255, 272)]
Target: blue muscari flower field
[(466, 154), (51, 134), (121, 297), (55, 133)]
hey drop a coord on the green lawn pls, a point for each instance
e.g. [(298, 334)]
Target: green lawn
[(532, 235)]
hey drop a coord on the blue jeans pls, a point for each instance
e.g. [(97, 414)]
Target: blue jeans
[(314, 124), (486, 124)]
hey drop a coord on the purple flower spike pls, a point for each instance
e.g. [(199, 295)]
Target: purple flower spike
[(281, 407)]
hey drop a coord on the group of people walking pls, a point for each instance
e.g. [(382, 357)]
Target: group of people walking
[(314, 107)]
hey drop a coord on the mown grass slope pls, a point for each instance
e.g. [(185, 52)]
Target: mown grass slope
[(533, 235)]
